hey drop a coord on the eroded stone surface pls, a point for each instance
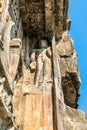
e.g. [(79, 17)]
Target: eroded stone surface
[(74, 119), (31, 96), (33, 110)]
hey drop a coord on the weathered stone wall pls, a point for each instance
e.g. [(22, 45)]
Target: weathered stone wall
[(39, 77), (6, 34), (10, 28), (5, 27), (43, 17)]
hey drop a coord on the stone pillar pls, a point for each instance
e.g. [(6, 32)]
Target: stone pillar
[(58, 100)]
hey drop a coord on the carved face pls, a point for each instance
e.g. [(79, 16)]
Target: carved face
[(43, 44), (1, 6)]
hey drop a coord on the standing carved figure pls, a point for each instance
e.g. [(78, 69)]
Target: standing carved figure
[(43, 64)]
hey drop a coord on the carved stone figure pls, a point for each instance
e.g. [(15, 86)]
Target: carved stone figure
[(2, 80), (43, 64)]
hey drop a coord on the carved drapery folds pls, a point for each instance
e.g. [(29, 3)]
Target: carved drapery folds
[(40, 67), (43, 66)]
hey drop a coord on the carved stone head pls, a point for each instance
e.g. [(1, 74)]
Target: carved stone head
[(43, 44)]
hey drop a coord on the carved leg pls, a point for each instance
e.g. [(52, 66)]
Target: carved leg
[(46, 71), (38, 70), (27, 54)]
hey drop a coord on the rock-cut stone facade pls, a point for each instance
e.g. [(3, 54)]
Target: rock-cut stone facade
[(39, 77)]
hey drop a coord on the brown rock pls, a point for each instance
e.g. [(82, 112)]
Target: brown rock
[(25, 105)]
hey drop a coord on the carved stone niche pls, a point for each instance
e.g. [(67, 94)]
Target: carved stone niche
[(40, 63), (1, 6)]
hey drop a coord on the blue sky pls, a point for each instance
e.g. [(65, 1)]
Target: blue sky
[(78, 32)]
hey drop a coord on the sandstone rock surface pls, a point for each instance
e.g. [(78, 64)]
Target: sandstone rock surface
[(74, 119), (39, 77)]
